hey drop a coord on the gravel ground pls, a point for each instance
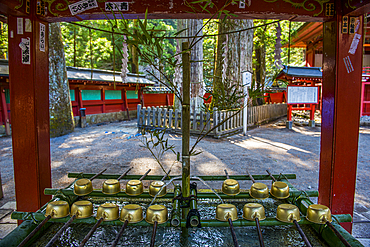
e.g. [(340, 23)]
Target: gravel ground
[(268, 147)]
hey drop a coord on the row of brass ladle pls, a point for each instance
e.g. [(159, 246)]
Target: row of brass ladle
[(157, 214), (279, 190), (255, 212), (134, 187), (131, 213)]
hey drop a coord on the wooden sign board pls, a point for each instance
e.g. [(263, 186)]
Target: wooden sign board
[(302, 95)]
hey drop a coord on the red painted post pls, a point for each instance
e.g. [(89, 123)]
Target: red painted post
[(312, 112), (103, 99), (289, 112), (168, 99), (29, 102), (126, 103), (341, 95), (141, 97), (362, 99), (80, 104), (4, 110)]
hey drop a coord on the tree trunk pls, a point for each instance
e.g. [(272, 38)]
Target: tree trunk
[(61, 117), (196, 72), (260, 67), (233, 55), (194, 28)]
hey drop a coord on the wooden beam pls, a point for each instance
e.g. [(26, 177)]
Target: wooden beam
[(178, 9)]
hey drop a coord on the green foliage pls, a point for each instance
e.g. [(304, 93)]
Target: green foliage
[(3, 40), (209, 51), (104, 51), (157, 145), (266, 36), (230, 96)]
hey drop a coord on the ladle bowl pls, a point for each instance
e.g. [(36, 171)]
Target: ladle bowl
[(57, 209), (134, 188), (230, 187), (259, 191), (82, 209), (155, 187), (226, 211), (132, 213), (318, 214), (82, 187), (111, 187), (280, 190), (107, 211), (251, 211), (287, 213), (156, 213)]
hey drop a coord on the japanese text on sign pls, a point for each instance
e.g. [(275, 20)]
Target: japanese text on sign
[(329, 10), (352, 22), (345, 24), (116, 6), (28, 6), (40, 7), (302, 95), (81, 6), (25, 46), (42, 37)]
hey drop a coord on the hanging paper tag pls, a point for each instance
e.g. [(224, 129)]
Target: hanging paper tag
[(82, 6), (354, 44), (42, 37), (27, 25), (19, 25), (25, 46)]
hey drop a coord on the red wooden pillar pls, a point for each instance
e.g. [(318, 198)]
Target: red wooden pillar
[(29, 102), (341, 94)]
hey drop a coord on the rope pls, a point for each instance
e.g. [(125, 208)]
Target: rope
[(187, 37)]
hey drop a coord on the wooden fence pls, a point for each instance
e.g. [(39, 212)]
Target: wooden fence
[(229, 122)]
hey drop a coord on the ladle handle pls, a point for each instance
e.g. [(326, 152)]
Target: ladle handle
[(227, 175), (260, 238), (233, 232), (61, 230), (142, 177), (305, 239), (165, 176), (344, 241), (91, 232), (34, 231), (152, 241), (273, 179), (124, 174), (100, 173), (250, 176), (119, 235)]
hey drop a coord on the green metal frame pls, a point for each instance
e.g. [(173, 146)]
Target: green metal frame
[(159, 177)]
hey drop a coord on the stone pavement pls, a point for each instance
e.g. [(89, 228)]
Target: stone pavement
[(270, 147)]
